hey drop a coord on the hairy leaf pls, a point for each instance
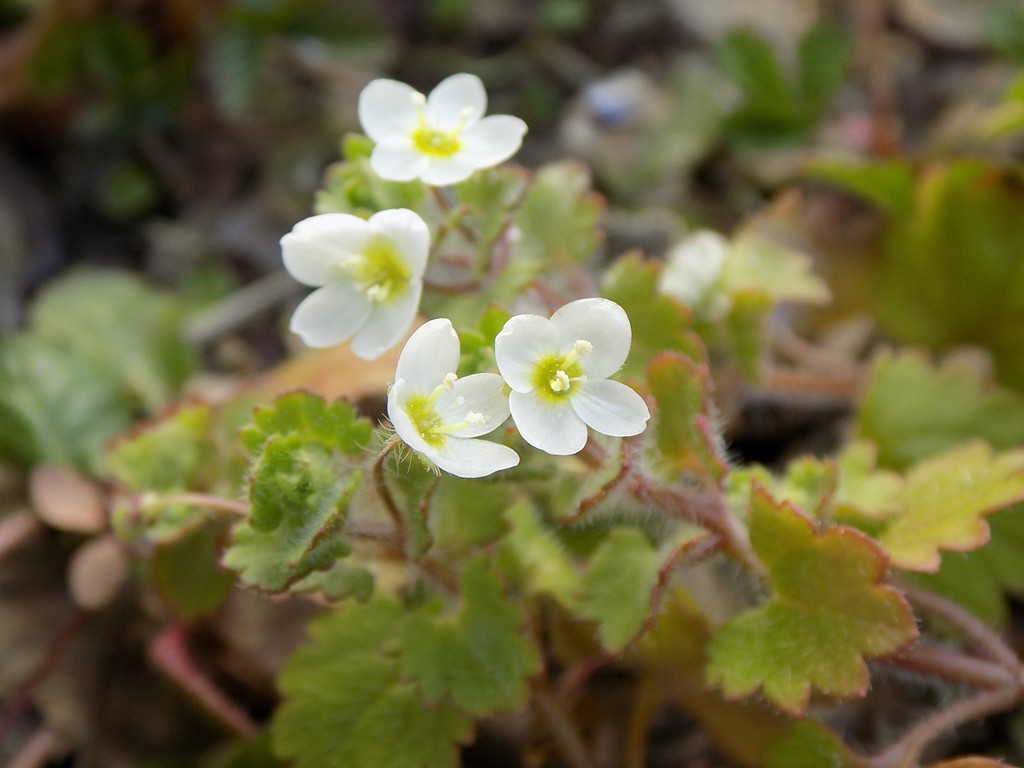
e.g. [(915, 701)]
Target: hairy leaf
[(944, 502), (826, 614), (616, 590), (478, 661), (684, 437), (659, 323), (346, 707)]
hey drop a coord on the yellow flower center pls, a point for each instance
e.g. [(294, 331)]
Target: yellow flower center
[(379, 270), (422, 412), (435, 143), (556, 376)]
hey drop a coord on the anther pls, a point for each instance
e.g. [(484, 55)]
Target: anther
[(561, 382)]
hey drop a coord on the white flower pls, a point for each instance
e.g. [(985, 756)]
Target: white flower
[(441, 138), (558, 370), (440, 415), (368, 273), (693, 268)]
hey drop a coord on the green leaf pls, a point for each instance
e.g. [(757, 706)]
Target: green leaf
[(334, 426), (827, 613), (953, 268), (303, 478), (467, 514), (186, 574), (532, 555), (341, 581), (659, 323), (345, 706), (57, 405), (865, 491), (981, 580), (557, 220), (912, 410), (751, 62), (128, 328), (237, 58), (353, 187), (171, 454), (745, 330), (617, 589), (809, 745), (175, 453), (822, 61), (888, 184), (479, 661), (684, 437), (755, 264), (945, 500)]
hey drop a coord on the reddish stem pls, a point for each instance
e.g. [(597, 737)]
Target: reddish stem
[(976, 630), (955, 667), (169, 652), (22, 696)]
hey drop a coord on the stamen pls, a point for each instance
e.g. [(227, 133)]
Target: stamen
[(579, 348), (377, 292), (561, 382), (474, 417), (449, 380)]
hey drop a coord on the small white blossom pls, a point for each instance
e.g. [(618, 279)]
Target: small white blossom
[(692, 268), (368, 274), (442, 416), (441, 138), (558, 370)]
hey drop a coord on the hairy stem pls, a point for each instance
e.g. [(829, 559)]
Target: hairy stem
[(381, 485), (218, 503), (955, 667), (905, 752), (987, 639)]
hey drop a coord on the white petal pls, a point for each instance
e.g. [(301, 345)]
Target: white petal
[(552, 427), (388, 109), (318, 243), (605, 325), (522, 342), (430, 354), (447, 102), (408, 232), (329, 315), (386, 324), (479, 393), (472, 458), (400, 419), (398, 161), (442, 171), (493, 140), (610, 408)]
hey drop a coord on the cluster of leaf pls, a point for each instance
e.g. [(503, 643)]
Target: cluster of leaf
[(775, 108), (101, 349)]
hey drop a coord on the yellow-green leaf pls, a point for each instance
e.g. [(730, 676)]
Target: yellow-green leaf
[(827, 613), (945, 500)]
